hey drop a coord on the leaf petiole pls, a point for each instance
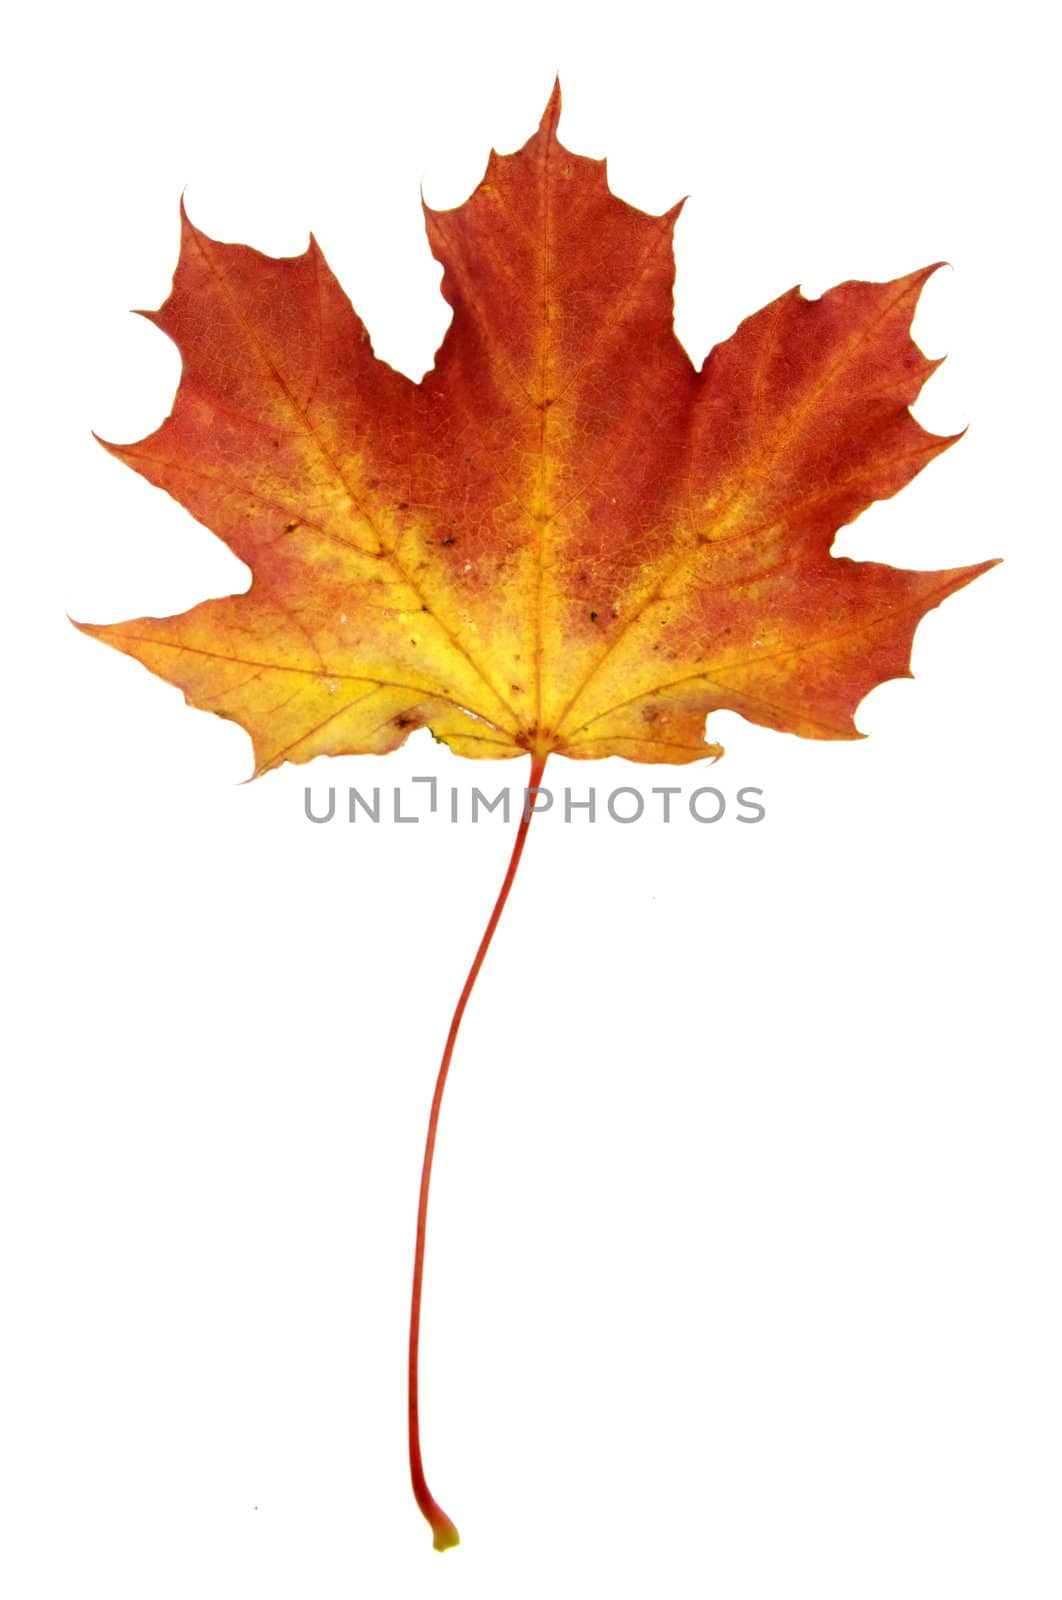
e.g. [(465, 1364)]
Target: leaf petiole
[(445, 1534)]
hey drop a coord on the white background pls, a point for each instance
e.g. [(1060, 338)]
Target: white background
[(743, 1275)]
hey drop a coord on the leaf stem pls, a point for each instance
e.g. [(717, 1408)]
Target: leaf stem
[(445, 1535)]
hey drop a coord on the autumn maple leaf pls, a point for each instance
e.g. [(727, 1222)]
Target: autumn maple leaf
[(566, 539)]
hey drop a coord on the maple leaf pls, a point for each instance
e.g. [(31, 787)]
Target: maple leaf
[(565, 538)]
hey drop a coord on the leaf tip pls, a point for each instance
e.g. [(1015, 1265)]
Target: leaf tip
[(121, 452), (916, 281), (551, 116), (189, 232)]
